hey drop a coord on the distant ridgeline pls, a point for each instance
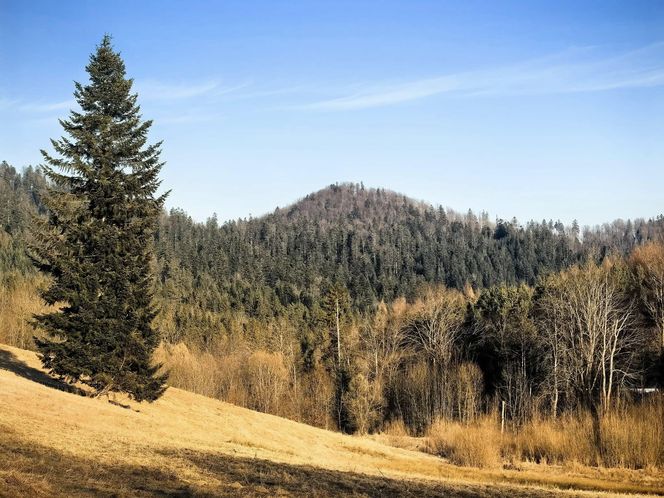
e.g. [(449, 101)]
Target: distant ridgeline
[(375, 243)]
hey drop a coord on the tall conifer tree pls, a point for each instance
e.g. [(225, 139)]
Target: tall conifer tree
[(98, 241)]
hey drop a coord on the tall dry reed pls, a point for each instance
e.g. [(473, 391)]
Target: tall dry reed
[(19, 301), (630, 437)]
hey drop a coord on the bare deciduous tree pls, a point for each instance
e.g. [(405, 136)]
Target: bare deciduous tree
[(383, 340), (433, 328), (434, 325), (590, 323)]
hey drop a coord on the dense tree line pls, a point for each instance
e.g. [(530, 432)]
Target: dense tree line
[(377, 244), (20, 201)]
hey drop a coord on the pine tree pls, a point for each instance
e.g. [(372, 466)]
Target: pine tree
[(98, 241)]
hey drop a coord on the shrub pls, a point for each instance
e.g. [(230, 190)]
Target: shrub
[(19, 301)]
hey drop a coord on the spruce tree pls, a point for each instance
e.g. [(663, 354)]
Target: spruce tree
[(97, 244)]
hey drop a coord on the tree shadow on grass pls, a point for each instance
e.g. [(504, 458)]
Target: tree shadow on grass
[(8, 361), (243, 476), (30, 469)]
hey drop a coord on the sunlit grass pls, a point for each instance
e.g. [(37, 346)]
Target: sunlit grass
[(52, 440)]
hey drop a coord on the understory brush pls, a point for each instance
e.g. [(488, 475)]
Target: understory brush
[(630, 437)]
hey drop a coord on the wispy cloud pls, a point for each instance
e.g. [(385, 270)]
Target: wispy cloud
[(155, 90), (49, 121), (6, 103), (579, 70), (388, 95), (40, 107), (184, 103), (149, 91), (265, 93), (187, 117)]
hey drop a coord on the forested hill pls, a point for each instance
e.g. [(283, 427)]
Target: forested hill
[(375, 243)]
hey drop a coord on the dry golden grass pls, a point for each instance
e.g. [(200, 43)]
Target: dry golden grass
[(568, 440), (634, 437), (55, 443), (395, 433), (631, 437), (475, 445)]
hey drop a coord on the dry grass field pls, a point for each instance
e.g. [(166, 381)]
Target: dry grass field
[(59, 443)]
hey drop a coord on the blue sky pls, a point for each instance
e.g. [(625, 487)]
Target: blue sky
[(527, 109)]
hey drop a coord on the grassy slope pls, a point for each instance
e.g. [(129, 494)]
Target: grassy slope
[(58, 443)]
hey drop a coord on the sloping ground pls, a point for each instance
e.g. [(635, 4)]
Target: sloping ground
[(58, 443)]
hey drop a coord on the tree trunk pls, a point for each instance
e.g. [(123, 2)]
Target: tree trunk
[(597, 431), (338, 334)]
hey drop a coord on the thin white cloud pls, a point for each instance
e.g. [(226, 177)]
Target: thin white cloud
[(6, 103), (259, 94), (186, 118), (388, 95), (150, 90), (571, 71), (155, 90), (48, 107), (50, 121)]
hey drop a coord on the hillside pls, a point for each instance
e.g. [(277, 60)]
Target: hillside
[(56, 443), (377, 243)]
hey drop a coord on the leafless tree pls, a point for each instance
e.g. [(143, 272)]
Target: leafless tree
[(589, 322), (383, 340), (433, 327)]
